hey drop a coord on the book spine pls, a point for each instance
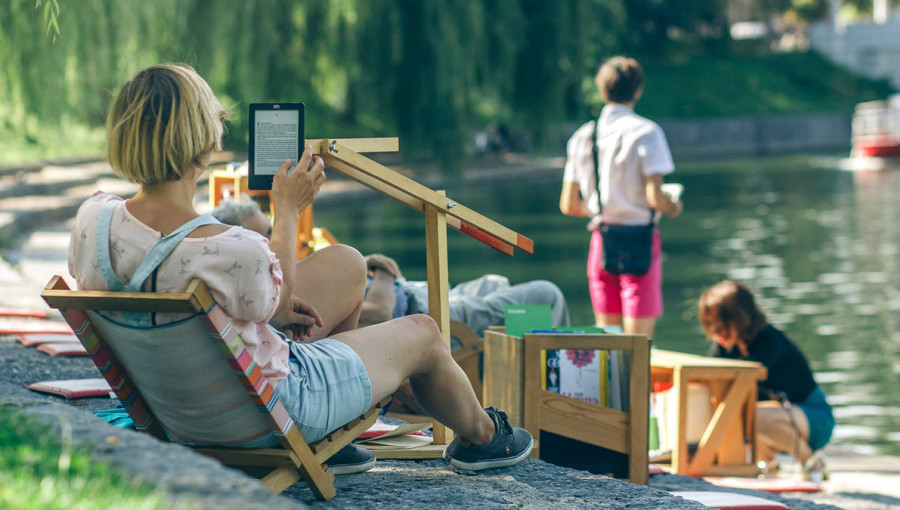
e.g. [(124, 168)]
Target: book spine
[(604, 378)]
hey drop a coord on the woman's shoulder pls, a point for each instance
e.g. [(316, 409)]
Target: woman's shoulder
[(96, 202), (237, 239)]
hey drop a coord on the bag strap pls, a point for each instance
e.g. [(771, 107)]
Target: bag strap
[(595, 152), (154, 257), (162, 249)]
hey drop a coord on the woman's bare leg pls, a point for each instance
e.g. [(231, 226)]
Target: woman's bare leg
[(607, 319), (412, 347), (639, 326), (333, 281), (778, 434)]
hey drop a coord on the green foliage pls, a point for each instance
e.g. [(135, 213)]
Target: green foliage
[(40, 472), (429, 71), (775, 84), (51, 16)]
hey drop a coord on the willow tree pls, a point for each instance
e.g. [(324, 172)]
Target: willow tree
[(429, 71)]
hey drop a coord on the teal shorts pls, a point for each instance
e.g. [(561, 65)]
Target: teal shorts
[(327, 387), (821, 419)]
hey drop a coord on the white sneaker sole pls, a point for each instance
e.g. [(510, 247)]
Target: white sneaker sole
[(491, 464), (349, 469)]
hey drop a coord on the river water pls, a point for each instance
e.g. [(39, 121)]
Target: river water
[(818, 245)]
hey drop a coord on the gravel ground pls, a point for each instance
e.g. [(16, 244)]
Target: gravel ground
[(197, 482)]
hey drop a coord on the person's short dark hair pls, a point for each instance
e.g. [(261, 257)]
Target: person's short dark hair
[(619, 80), (728, 304)]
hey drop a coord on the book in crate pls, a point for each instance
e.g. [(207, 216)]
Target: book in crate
[(596, 376)]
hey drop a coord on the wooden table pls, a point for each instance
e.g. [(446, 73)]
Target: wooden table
[(728, 445)]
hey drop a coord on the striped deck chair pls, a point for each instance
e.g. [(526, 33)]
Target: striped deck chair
[(194, 383)]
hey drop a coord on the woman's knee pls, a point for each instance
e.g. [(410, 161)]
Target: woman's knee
[(428, 336), (349, 261)]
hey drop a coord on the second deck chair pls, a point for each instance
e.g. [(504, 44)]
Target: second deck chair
[(193, 382)]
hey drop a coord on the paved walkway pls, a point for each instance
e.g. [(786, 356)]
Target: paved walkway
[(859, 480)]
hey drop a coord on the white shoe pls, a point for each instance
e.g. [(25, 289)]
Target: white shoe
[(815, 468)]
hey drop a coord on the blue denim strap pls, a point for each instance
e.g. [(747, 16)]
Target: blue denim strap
[(151, 261)]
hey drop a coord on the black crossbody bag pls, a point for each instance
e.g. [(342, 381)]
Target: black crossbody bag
[(627, 249)]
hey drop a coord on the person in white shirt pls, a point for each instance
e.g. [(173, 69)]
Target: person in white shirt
[(632, 158)]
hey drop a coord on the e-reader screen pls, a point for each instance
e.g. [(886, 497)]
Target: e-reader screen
[(276, 134)]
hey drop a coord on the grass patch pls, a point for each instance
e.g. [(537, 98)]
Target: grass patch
[(742, 86), (41, 142), (38, 472)]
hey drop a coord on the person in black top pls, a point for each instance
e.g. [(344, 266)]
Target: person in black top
[(792, 413)]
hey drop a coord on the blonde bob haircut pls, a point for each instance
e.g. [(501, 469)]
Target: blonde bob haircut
[(164, 122)]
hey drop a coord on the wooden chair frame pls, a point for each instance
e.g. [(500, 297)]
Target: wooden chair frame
[(295, 459)]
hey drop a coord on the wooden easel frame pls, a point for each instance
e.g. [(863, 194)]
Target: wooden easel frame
[(440, 212)]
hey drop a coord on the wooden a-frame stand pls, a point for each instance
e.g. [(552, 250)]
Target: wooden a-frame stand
[(440, 212)]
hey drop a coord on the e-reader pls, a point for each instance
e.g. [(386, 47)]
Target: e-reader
[(276, 134)]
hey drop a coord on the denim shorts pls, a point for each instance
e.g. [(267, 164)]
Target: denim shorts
[(327, 387), (625, 294), (821, 419)]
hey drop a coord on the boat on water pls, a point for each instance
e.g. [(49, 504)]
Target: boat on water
[(875, 136)]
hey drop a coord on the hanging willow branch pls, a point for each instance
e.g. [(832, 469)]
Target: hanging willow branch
[(51, 16)]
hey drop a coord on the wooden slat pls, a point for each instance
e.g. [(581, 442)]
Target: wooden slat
[(191, 301), (437, 276), (413, 202), (196, 298), (320, 481), (639, 389), (273, 457), (672, 359), (581, 341), (373, 183), (436, 269), (680, 458), (582, 421), (355, 428), (282, 478), (726, 414), (401, 182), (361, 145), (504, 375)]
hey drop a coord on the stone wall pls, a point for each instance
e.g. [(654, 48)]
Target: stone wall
[(751, 136), (758, 136)]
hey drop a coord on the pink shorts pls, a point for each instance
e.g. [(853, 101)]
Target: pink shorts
[(630, 296)]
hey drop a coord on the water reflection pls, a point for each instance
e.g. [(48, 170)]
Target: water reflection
[(818, 245)]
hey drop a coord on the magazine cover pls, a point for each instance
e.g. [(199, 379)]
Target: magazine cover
[(579, 374)]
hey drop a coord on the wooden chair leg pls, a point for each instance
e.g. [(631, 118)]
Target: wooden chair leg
[(282, 478)]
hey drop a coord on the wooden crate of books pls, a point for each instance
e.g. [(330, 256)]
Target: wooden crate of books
[(711, 403), (591, 388)]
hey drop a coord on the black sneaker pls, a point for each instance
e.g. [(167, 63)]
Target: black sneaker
[(508, 447), (351, 459)]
